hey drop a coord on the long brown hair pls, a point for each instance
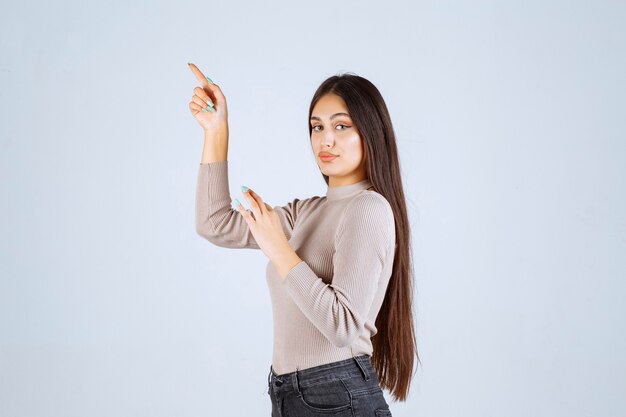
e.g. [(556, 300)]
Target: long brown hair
[(394, 344)]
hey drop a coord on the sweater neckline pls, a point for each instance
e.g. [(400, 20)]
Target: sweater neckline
[(344, 191)]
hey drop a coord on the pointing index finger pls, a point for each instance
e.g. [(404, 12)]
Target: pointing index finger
[(199, 75)]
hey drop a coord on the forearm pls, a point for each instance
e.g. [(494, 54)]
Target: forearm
[(215, 147), (285, 259)]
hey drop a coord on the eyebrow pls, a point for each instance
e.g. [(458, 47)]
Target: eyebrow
[(331, 117)]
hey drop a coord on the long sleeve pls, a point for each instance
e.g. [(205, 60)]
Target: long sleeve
[(364, 249), (221, 224)]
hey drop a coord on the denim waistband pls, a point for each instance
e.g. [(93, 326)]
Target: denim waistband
[(356, 365)]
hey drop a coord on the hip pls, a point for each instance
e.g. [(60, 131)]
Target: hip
[(348, 388)]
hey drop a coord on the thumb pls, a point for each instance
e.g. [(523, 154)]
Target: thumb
[(217, 92)]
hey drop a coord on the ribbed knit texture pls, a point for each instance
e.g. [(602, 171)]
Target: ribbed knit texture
[(325, 309)]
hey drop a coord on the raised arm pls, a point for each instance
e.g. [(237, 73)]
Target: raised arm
[(364, 249), (216, 220)]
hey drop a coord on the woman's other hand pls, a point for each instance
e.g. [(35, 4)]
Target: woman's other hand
[(264, 224)]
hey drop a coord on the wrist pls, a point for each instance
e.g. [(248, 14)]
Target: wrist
[(212, 136), (284, 259)]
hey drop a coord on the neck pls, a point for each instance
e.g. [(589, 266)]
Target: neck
[(339, 192)]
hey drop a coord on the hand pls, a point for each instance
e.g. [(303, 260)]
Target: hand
[(213, 122), (265, 225)]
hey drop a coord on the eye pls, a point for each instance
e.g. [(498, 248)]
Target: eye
[(313, 128)]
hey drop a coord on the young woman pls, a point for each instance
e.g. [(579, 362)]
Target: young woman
[(339, 270)]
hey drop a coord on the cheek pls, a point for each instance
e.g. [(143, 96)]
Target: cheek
[(354, 146)]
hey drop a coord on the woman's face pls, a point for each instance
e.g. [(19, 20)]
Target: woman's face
[(334, 132)]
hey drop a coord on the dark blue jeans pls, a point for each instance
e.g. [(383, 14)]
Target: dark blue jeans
[(347, 388)]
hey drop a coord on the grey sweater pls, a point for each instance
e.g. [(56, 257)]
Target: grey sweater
[(325, 308)]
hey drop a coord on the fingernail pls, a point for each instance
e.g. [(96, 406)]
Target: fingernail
[(188, 63), (205, 110), (244, 188), (210, 80), (209, 102), (235, 203), (211, 109)]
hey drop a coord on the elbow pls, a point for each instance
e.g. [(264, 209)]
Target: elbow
[(206, 228), (345, 339), (220, 239), (204, 231), (347, 329)]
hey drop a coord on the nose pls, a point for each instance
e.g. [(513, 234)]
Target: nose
[(328, 140)]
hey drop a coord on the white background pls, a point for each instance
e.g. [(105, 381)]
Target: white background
[(510, 121)]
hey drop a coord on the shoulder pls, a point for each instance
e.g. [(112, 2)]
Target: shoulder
[(369, 218), (307, 203), (299, 202), (300, 207), (368, 209), (371, 203)]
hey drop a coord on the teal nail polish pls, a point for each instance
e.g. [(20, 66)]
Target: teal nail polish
[(205, 110), (211, 109), (244, 188), (209, 80), (235, 203), (209, 102)]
